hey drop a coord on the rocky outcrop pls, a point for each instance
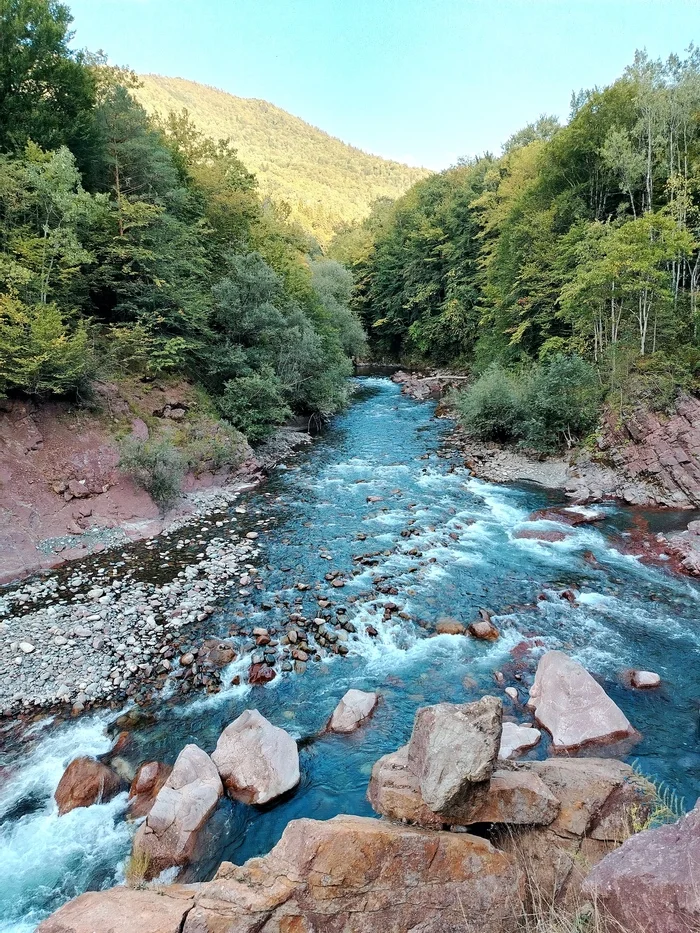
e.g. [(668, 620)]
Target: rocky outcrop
[(598, 798), (452, 751), (360, 875), (256, 760), (169, 834), (353, 710), (661, 451), (85, 782), (574, 708), (145, 787), (652, 882), (122, 910), (547, 822)]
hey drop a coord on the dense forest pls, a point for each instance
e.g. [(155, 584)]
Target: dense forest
[(324, 182), (134, 245), (561, 274)]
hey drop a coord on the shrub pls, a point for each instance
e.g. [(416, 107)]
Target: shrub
[(562, 400), (39, 354), (491, 409), (211, 444), (155, 465), (254, 404)]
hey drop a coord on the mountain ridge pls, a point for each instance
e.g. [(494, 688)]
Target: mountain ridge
[(326, 181)]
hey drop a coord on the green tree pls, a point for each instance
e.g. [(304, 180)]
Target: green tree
[(47, 92)]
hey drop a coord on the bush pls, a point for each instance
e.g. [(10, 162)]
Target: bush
[(254, 404), (156, 466), (491, 409), (39, 354), (208, 444), (562, 400)]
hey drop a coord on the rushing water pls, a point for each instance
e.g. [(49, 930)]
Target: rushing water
[(464, 557)]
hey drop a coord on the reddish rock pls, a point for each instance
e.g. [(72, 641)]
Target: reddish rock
[(536, 534), (484, 629), (650, 883), (573, 707), (645, 680), (86, 781), (450, 627), (256, 760), (517, 798), (359, 875), (217, 653), (261, 673), (148, 780), (517, 739), (570, 515), (123, 910), (354, 709)]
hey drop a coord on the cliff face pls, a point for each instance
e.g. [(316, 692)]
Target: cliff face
[(660, 452), (62, 494)]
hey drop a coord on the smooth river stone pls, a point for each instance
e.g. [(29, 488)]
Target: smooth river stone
[(517, 739), (169, 834), (645, 680), (354, 709), (573, 707), (256, 760)]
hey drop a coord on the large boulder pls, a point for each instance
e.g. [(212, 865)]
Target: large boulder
[(354, 709), (169, 834), (84, 782), (123, 910), (256, 760), (599, 798), (145, 787), (452, 752), (394, 792), (360, 875), (651, 882), (574, 708)]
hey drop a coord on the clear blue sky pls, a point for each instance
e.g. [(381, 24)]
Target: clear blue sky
[(422, 81)]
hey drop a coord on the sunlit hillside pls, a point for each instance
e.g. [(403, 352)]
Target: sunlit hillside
[(324, 180)]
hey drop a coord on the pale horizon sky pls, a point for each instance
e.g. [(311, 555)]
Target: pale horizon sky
[(420, 81)]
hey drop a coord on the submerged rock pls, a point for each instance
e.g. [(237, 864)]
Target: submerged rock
[(86, 781), (645, 680), (450, 627), (650, 883), (573, 707), (355, 708), (256, 760), (169, 834), (452, 751)]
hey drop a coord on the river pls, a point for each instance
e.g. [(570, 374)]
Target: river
[(464, 557)]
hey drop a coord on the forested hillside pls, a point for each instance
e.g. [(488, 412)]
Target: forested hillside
[(324, 181), (563, 273), (130, 247)]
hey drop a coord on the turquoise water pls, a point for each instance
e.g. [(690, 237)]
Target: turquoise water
[(465, 558)]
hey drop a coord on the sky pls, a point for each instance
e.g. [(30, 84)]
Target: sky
[(421, 81)]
